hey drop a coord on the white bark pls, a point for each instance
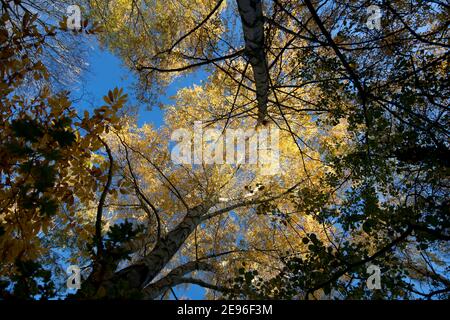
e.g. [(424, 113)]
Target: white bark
[(253, 28), (168, 245), (173, 278)]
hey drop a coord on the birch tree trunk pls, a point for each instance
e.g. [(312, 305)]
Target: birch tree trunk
[(253, 28), (166, 248), (102, 283)]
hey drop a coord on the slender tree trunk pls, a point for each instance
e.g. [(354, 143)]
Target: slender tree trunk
[(134, 277), (253, 27), (173, 278), (166, 248)]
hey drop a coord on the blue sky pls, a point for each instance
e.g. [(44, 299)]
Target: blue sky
[(105, 72)]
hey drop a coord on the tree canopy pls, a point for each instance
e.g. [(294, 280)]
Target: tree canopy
[(358, 113)]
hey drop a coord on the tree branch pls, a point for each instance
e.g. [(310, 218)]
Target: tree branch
[(101, 203)]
